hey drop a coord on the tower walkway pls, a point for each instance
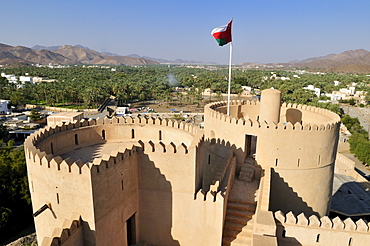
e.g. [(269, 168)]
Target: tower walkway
[(241, 207)]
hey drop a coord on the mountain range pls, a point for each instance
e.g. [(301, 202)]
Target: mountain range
[(66, 54), (159, 60), (351, 61)]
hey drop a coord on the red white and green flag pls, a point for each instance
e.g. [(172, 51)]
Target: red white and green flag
[(222, 34)]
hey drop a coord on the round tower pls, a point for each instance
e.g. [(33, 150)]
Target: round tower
[(270, 106), (298, 143)]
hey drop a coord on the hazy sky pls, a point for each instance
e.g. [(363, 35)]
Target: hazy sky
[(263, 31)]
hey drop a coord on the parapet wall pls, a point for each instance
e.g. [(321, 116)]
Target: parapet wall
[(310, 136), (71, 234), (84, 187), (106, 129), (240, 109), (316, 137), (299, 230), (264, 222), (346, 166)]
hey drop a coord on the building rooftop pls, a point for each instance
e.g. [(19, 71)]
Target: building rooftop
[(350, 198)]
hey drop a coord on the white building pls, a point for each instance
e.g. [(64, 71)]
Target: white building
[(336, 83), (9, 77), (121, 110), (349, 92), (335, 95), (24, 79), (5, 107), (313, 88)]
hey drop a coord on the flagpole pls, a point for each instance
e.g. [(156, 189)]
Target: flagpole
[(229, 86)]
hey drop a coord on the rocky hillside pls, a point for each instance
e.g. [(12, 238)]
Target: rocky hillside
[(351, 61), (66, 54)]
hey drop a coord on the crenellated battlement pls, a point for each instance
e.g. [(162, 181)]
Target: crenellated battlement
[(314, 222), (116, 157), (71, 233), (57, 163), (48, 131), (163, 147), (213, 110)]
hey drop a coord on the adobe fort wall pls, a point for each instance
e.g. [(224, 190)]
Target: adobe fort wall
[(70, 234), (300, 230), (301, 148), (153, 180), (65, 187), (115, 194)]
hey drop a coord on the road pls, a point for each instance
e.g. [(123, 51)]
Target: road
[(363, 115)]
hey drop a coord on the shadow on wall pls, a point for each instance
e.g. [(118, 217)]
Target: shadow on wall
[(351, 199), (293, 116), (155, 213), (282, 239), (88, 235), (213, 164), (284, 198)]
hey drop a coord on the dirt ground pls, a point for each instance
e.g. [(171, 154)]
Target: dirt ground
[(177, 106)]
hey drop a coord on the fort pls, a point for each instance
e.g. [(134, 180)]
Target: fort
[(262, 175)]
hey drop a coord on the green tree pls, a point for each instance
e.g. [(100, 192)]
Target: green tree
[(15, 207), (35, 115)]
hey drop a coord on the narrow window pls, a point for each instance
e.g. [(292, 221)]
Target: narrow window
[(32, 186), (103, 134), (318, 238), (318, 163), (350, 241), (122, 184), (299, 160), (76, 139), (132, 133), (57, 198), (276, 161), (51, 148), (209, 159), (160, 135)]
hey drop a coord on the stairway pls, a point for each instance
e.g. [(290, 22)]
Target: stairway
[(238, 223), (247, 170)]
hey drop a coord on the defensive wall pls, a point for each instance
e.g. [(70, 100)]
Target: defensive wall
[(278, 228), (300, 230), (157, 175), (309, 134), (70, 234)]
